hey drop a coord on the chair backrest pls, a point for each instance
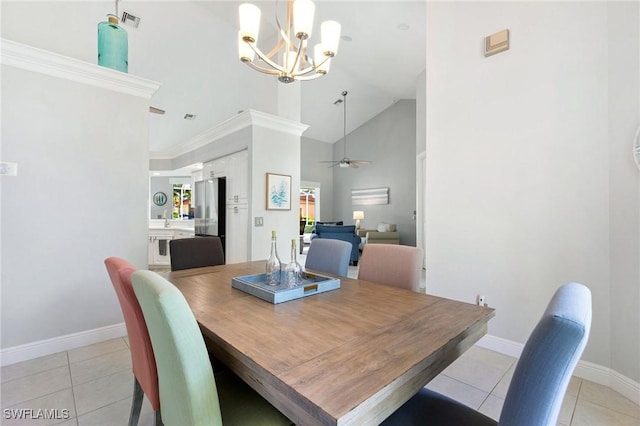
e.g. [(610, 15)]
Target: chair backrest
[(142, 358), (390, 264), (331, 256), (196, 252), (188, 394), (548, 359)]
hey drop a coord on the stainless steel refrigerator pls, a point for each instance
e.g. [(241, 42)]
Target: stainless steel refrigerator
[(210, 211)]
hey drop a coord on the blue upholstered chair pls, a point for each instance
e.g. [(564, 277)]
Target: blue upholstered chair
[(189, 393), (331, 256), (539, 381), (345, 233)]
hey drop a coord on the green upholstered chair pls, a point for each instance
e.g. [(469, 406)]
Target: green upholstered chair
[(188, 392)]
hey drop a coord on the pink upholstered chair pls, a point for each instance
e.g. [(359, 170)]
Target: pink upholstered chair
[(142, 358), (398, 266)]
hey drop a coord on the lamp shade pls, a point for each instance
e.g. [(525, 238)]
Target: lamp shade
[(330, 37), (303, 11), (249, 21), (358, 215)]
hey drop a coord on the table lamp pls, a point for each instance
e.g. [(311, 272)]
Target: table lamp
[(358, 215)]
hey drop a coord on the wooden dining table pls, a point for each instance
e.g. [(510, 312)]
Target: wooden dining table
[(347, 356)]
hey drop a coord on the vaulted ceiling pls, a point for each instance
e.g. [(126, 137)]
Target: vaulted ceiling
[(191, 48)]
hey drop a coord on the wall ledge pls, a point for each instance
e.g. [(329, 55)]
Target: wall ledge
[(49, 63), (585, 370)]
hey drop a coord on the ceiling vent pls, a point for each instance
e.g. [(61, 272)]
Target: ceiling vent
[(130, 19)]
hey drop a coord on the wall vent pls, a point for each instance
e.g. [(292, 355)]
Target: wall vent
[(129, 19)]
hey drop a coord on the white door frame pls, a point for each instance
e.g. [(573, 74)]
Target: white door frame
[(421, 185)]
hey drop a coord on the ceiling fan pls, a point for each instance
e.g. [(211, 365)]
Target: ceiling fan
[(345, 162)]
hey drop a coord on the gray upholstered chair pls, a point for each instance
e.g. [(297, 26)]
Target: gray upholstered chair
[(539, 381), (398, 266), (189, 393), (196, 252), (330, 256)]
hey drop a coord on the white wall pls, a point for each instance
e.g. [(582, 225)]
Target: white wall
[(274, 151), (80, 196), (624, 182), (520, 165)]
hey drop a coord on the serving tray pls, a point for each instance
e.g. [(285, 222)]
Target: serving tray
[(256, 285)]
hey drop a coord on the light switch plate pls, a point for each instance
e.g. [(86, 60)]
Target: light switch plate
[(258, 221)]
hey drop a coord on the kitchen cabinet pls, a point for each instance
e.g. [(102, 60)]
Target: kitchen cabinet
[(235, 169), (237, 233), (159, 247), (159, 241)]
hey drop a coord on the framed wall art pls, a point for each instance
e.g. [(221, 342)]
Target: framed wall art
[(278, 192)]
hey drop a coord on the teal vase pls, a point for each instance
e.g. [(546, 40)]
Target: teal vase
[(113, 45)]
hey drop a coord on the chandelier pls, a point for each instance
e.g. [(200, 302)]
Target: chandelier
[(292, 45)]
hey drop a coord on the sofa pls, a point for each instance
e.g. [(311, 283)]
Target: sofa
[(385, 233), (340, 232)]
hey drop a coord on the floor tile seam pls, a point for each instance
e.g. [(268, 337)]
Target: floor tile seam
[(37, 397), (33, 374), (102, 377), (607, 407), (104, 406), (99, 355), (575, 406), (73, 390), (474, 387)]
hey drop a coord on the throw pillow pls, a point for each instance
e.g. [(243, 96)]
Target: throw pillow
[(383, 227)]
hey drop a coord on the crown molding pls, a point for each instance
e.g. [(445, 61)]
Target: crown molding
[(243, 120), (49, 63)]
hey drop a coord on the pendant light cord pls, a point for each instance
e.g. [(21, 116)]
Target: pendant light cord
[(344, 124)]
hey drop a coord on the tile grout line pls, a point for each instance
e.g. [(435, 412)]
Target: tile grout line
[(73, 388), (573, 412)]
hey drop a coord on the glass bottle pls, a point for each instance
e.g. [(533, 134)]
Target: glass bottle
[(293, 270), (113, 45), (273, 263)]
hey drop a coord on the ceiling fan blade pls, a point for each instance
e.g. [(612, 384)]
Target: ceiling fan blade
[(156, 110), (354, 165)]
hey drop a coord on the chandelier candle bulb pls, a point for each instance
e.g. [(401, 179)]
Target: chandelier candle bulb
[(330, 36), (249, 22), (296, 62), (245, 52), (303, 13)]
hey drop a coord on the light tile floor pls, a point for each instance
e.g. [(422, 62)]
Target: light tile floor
[(93, 385)]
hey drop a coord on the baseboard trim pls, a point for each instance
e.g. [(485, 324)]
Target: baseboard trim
[(585, 370), (59, 344)]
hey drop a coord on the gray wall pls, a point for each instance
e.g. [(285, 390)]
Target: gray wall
[(312, 152), (389, 141)]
